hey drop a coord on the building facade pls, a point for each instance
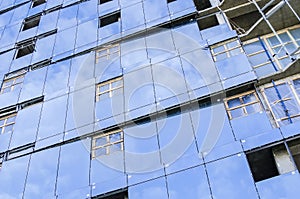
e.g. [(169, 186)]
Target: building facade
[(143, 99)]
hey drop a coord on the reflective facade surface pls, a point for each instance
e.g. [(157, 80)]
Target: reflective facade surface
[(138, 99)]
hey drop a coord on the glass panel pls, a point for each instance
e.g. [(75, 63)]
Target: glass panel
[(168, 79), (129, 20), (53, 117), (237, 113), (85, 37), (65, 41), (233, 173), (33, 84), (234, 102), (191, 183), (67, 18), (138, 88), (151, 189), (14, 171), (25, 130), (69, 178), (296, 83), (57, 73), (253, 108), (8, 129), (42, 174)]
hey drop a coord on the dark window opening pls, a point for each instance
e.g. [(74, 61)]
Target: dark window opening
[(31, 22), (170, 1), (104, 1), (203, 4), (109, 19), (113, 195), (37, 3), (207, 22), (270, 162), (294, 147), (262, 164), (25, 49)]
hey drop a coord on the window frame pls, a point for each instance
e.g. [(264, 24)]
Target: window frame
[(24, 46), (108, 52), (110, 87), (108, 19), (226, 50), (5, 124), (289, 82), (30, 20), (14, 76), (283, 146), (108, 143), (270, 49), (242, 105), (36, 3)]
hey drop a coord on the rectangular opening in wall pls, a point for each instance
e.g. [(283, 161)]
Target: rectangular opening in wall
[(294, 147), (262, 164), (109, 88), (120, 194), (269, 162), (207, 22), (13, 81), (170, 1), (109, 19), (242, 104), (36, 3), (107, 53), (31, 22), (104, 1), (202, 4), (7, 122), (107, 143), (25, 48)]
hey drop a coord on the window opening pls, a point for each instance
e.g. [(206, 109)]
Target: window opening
[(294, 147), (207, 22), (37, 3), (282, 99), (170, 1), (270, 162), (104, 1), (242, 104), (13, 81), (109, 19), (120, 194), (267, 52), (226, 49), (109, 88), (25, 48), (107, 143), (31, 22), (7, 123), (108, 52)]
